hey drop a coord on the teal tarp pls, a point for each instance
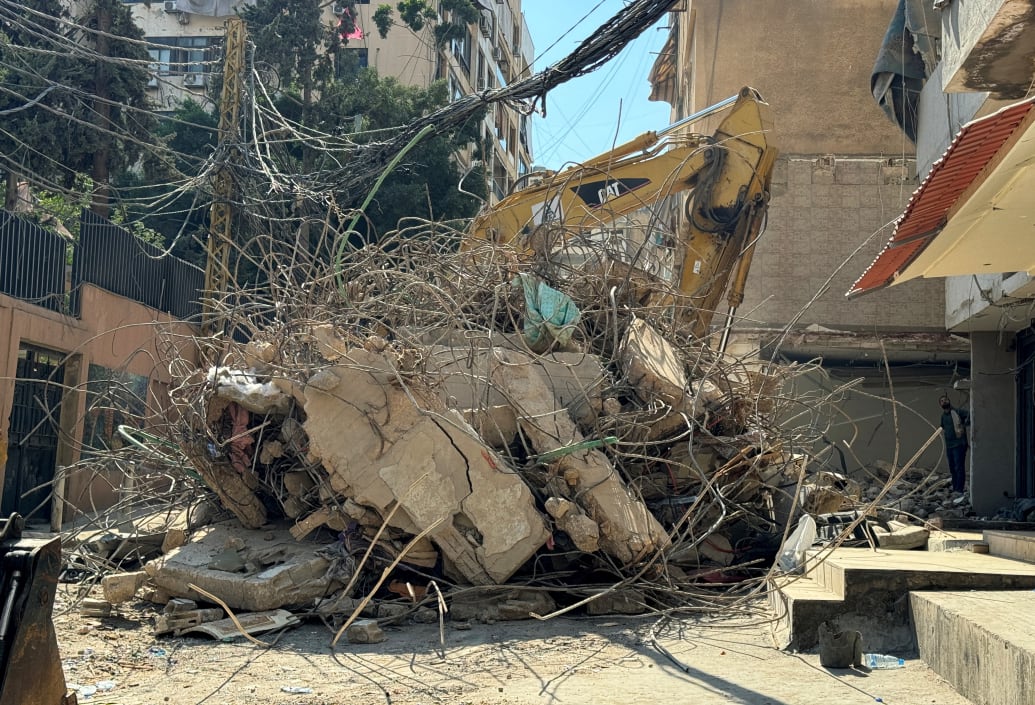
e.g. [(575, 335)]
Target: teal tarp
[(550, 315)]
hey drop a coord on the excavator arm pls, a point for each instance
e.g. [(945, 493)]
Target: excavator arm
[(727, 175)]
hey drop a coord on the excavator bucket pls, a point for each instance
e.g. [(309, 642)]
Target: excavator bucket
[(30, 664)]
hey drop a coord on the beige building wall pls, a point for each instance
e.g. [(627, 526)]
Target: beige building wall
[(810, 60), (845, 171)]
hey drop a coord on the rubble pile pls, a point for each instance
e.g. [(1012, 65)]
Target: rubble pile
[(414, 417), (920, 492)]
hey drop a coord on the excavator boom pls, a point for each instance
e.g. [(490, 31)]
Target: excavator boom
[(727, 175)]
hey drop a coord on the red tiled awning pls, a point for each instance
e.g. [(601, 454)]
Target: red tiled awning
[(976, 150)]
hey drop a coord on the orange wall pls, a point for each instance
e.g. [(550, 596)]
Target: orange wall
[(113, 332)]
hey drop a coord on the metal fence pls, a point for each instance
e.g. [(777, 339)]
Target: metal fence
[(113, 258), (33, 267), (32, 264)]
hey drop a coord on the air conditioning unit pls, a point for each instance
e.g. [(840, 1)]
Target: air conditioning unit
[(195, 80), (497, 53), (170, 6), (339, 8), (485, 24)]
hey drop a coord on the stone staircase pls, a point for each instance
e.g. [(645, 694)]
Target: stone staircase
[(970, 616), (868, 590)]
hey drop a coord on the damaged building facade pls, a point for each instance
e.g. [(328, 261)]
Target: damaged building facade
[(843, 174), (962, 87)]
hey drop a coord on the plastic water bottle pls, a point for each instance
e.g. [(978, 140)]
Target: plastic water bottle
[(875, 661)]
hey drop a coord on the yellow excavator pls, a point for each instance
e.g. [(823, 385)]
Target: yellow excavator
[(728, 175)]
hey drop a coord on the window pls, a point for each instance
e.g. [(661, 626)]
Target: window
[(178, 56), (351, 60), (461, 47)]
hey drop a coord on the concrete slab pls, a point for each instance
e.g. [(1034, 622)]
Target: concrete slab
[(265, 573), (651, 365), (941, 541), (384, 439), (1015, 545), (628, 531), (983, 642)]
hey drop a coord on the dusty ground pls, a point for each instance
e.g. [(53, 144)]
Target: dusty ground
[(601, 660)]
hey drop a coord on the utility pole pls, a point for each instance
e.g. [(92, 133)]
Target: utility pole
[(100, 203), (220, 226)]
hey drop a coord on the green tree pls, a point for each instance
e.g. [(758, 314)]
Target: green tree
[(416, 13), (334, 101), (425, 184), (189, 136), (31, 94), (114, 126)]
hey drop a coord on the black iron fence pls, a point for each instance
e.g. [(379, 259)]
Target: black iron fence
[(33, 266)]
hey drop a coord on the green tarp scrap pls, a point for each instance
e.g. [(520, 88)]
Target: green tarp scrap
[(550, 315)]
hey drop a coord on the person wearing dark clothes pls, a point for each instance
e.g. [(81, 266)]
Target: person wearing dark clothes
[(955, 423)]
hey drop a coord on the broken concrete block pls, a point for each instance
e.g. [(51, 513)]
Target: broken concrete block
[(460, 375), (236, 491), (381, 444), (365, 631), (179, 604), (270, 451), (174, 538), (254, 623), (155, 595), (95, 608), (392, 613), (338, 606), (245, 389), (557, 507), (425, 615), (628, 531), (652, 365), (496, 425), (582, 530), (277, 573), (903, 537), (177, 622), (618, 602), (121, 587)]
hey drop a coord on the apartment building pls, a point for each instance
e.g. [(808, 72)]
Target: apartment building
[(844, 173), (497, 50), (964, 90)]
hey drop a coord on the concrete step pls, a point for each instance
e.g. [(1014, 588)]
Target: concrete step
[(1015, 545), (982, 642), (872, 588), (953, 540), (800, 605)]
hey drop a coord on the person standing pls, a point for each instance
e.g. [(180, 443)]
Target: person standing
[(955, 422)]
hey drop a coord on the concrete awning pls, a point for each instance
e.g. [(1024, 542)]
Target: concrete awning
[(974, 213)]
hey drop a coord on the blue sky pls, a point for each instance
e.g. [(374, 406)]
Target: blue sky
[(584, 115)]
